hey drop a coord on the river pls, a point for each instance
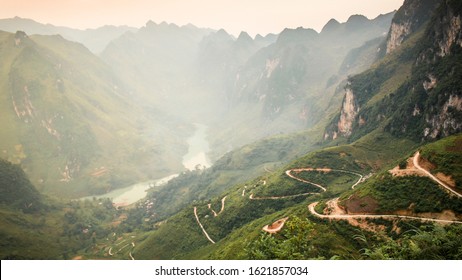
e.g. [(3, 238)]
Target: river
[(198, 147)]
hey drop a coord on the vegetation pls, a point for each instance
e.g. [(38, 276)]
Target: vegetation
[(62, 105), (70, 111), (423, 243), (301, 239), (414, 193), (446, 157)]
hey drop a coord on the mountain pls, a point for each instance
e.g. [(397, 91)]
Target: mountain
[(62, 105), (16, 190), (369, 170), (238, 83), (282, 87), (34, 226), (157, 64), (94, 39), (414, 91)]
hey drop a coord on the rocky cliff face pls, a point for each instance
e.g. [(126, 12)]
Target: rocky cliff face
[(428, 103), (448, 30), (398, 32), (348, 113), (409, 18), (444, 122), (444, 117)]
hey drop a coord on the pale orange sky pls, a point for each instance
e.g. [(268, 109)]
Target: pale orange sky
[(253, 16)]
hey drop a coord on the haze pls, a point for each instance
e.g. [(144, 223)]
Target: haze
[(258, 16)]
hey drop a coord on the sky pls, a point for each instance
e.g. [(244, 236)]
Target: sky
[(253, 16)]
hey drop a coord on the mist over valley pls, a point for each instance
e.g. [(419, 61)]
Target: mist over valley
[(179, 142)]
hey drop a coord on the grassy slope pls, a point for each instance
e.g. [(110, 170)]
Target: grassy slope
[(242, 215), (411, 193), (81, 118), (33, 226), (446, 155)]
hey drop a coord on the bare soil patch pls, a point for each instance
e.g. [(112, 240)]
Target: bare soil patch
[(448, 180), (457, 146), (276, 226), (408, 171), (425, 164), (360, 205)]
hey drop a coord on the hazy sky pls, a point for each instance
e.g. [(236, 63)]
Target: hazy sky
[(253, 16)]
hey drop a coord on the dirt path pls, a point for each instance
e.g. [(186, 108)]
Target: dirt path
[(251, 197), (336, 212), (415, 160), (370, 216), (276, 226), (202, 227), (222, 205), (288, 173), (215, 214), (297, 170)]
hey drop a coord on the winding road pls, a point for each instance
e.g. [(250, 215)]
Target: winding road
[(202, 227), (415, 160), (311, 207), (123, 247), (370, 216)]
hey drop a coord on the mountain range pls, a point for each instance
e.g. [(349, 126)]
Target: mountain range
[(342, 144)]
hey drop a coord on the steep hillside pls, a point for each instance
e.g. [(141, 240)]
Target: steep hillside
[(372, 168), (156, 62), (64, 107), (372, 204), (291, 84), (407, 189), (231, 225), (235, 167), (246, 88), (249, 205), (415, 90), (16, 190), (33, 226)]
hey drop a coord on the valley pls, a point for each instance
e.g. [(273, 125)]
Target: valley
[(180, 142)]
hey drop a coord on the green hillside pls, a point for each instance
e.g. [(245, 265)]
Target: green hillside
[(63, 106), (387, 192), (237, 230), (414, 90), (380, 120), (347, 165), (33, 226)]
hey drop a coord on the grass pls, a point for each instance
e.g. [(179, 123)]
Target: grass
[(446, 155), (78, 109)]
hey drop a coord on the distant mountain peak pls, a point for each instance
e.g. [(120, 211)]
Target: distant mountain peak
[(357, 18), (221, 35), (244, 37), (222, 32), (150, 23), (357, 21), (298, 34), (331, 25)]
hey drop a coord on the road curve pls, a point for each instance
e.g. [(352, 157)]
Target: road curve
[(415, 160), (288, 173), (202, 227), (370, 216)]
